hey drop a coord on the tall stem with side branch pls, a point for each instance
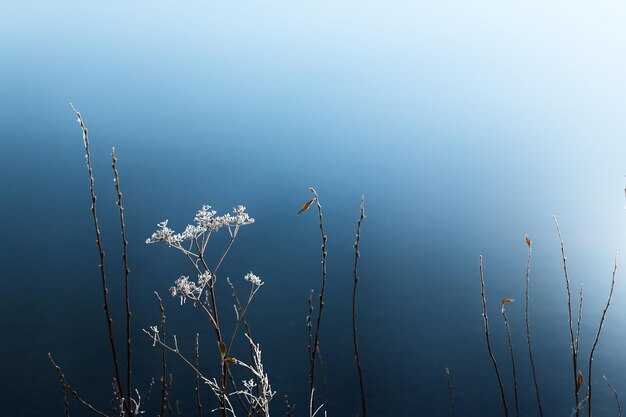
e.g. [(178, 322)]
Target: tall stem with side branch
[(105, 289), (486, 322)]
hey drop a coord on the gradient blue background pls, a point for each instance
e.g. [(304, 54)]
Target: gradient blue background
[(465, 124)]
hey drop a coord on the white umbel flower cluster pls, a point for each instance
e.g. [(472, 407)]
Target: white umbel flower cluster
[(206, 220), (184, 289), (253, 279)]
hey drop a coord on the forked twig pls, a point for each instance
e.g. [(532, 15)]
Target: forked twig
[(67, 387), (105, 289), (486, 321), (595, 342), (569, 311), (126, 272)]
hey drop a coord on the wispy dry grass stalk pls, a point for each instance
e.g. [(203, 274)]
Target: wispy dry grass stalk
[(569, 311), (619, 405), (357, 254), (486, 321), (120, 206), (451, 392), (105, 289), (510, 338), (595, 342), (526, 314), (67, 387)]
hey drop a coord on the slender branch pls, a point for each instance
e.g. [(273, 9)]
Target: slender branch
[(67, 387), (530, 349), (126, 272), (580, 318), (569, 311), (619, 406), (508, 331), (309, 325), (105, 290), (164, 388), (451, 393), (321, 297), (324, 380), (595, 342), (357, 254), (486, 321), (198, 397)]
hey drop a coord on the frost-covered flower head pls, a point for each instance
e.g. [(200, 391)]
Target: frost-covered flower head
[(206, 220), (184, 289), (164, 234), (253, 279)]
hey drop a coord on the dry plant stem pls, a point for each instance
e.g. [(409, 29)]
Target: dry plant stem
[(486, 321), (289, 412), (321, 298), (451, 393), (198, 397), (580, 317), (66, 404), (241, 318), (619, 406), (569, 310), (324, 380), (508, 331), (126, 272), (309, 325), (356, 281), (105, 290), (164, 388), (67, 387), (530, 349), (216, 326), (595, 342)]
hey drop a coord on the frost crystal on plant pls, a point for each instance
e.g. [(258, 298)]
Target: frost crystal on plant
[(253, 279), (185, 289)]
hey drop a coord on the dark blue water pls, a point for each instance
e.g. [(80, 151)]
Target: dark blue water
[(465, 127)]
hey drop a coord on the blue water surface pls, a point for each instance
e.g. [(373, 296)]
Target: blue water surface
[(464, 125)]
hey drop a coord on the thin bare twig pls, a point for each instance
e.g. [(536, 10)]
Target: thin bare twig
[(569, 311), (510, 338), (198, 397), (316, 333), (67, 387), (164, 388), (451, 392), (595, 342), (619, 406), (530, 349), (357, 254), (105, 289), (486, 321), (126, 272), (580, 318)]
